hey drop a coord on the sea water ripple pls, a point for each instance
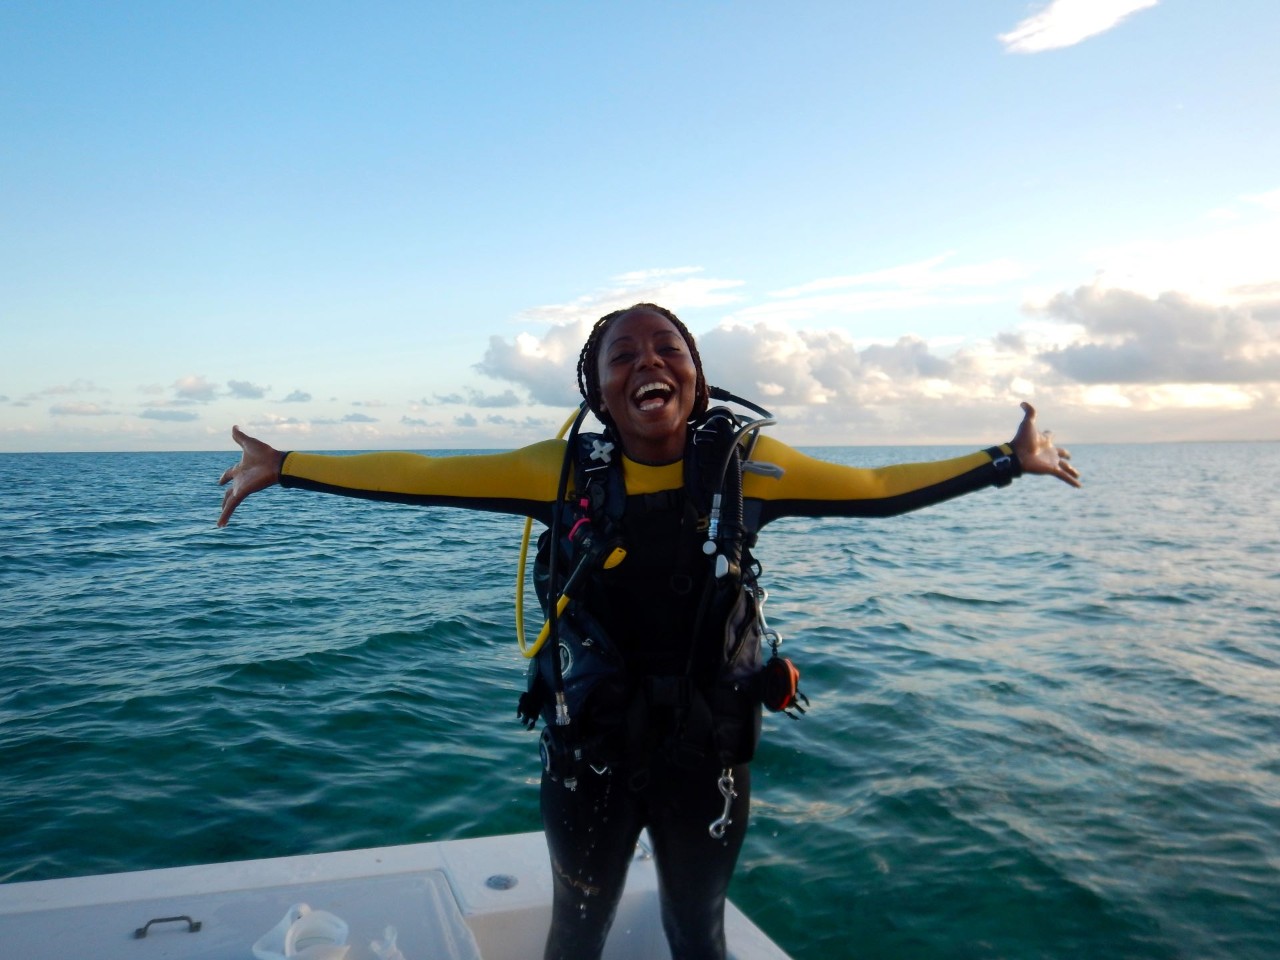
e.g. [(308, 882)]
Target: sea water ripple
[(1045, 722)]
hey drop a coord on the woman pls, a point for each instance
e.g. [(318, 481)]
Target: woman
[(662, 750)]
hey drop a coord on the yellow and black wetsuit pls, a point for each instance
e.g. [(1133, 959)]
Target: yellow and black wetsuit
[(647, 618), (523, 482)]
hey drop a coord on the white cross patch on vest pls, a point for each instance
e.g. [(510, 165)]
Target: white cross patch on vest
[(601, 451)]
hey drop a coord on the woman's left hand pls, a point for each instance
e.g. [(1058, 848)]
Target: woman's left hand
[(259, 468), (1037, 453)]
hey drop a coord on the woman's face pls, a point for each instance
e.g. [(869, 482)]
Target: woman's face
[(648, 382)]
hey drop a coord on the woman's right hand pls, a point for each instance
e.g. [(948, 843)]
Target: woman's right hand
[(259, 468), (1037, 453)]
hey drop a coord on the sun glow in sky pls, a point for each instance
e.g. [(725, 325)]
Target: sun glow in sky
[(390, 225)]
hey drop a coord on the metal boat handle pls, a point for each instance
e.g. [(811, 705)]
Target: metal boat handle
[(193, 926)]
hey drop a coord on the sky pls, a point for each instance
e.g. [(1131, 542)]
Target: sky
[(390, 225)]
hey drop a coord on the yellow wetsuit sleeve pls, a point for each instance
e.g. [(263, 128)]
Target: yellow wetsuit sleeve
[(811, 487), (521, 482)]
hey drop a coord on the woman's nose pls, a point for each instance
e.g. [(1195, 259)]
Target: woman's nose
[(649, 357)]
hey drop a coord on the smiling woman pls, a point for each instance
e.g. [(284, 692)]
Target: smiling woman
[(652, 683), (644, 379)]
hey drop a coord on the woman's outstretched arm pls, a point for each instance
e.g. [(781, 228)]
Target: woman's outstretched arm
[(818, 488), (518, 482)]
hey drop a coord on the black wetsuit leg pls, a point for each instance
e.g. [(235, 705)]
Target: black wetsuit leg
[(694, 869), (591, 834)]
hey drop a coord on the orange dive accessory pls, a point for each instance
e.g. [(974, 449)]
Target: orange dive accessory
[(780, 687)]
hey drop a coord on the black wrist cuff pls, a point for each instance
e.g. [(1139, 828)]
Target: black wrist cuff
[(1005, 464)]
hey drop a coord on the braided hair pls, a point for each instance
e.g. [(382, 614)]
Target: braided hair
[(589, 362)]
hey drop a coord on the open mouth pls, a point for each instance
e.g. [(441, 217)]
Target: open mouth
[(652, 396)]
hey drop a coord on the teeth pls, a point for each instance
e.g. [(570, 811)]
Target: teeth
[(657, 394)]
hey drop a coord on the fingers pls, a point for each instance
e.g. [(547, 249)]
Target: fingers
[(239, 436), (229, 499), (1065, 471), (1037, 450), (1027, 426), (228, 508)]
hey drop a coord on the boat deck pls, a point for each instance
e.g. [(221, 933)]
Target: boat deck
[(478, 899)]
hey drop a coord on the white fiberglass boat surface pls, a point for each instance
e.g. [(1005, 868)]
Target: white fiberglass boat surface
[(481, 899)]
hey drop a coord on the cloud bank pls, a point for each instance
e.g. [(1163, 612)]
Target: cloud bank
[(1130, 338), (1173, 337), (1101, 351)]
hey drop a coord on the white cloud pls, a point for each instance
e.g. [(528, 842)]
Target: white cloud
[(826, 368), (1229, 259), (475, 398), (545, 366), (169, 415), (802, 368), (244, 390), (274, 422), (507, 398), (1270, 200), (1169, 339), (842, 306), (196, 389), (935, 282), (1091, 355), (1185, 324), (1206, 396), (1064, 23), (72, 388), (676, 288), (1093, 336), (79, 409)]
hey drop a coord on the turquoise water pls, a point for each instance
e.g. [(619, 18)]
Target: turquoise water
[(1045, 722)]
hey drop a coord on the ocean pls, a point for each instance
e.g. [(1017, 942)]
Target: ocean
[(1044, 722)]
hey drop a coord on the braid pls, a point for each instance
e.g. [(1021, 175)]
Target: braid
[(589, 361)]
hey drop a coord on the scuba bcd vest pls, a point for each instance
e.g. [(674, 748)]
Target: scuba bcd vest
[(663, 654)]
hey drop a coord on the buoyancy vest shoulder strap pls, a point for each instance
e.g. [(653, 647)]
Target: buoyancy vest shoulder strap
[(597, 477)]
